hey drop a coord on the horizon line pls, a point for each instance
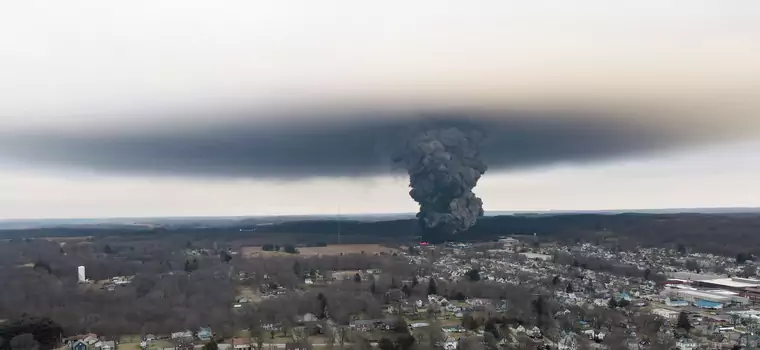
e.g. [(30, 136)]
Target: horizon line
[(492, 213)]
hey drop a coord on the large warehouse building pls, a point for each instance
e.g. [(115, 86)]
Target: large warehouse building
[(712, 297), (730, 283)]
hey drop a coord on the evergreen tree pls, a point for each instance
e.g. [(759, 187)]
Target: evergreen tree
[(405, 289), (386, 344), (469, 322), (490, 341), (612, 303), (473, 275), (211, 346), (432, 287), (569, 288), (322, 305), (297, 269), (555, 280), (683, 322), (539, 307), (490, 327)]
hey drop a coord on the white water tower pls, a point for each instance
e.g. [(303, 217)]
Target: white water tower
[(81, 275)]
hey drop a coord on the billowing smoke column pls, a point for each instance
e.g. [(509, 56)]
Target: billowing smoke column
[(444, 166)]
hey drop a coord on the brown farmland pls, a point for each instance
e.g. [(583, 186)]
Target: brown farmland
[(333, 249)]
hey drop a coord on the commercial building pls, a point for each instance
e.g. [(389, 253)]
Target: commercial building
[(666, 314), (536, 256), (708, 304), (730, 283), (509, 244), (722, 297)]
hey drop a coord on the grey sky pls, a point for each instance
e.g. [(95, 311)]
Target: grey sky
[(666, 94)]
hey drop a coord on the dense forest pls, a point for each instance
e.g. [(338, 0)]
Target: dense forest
[(727, 234)]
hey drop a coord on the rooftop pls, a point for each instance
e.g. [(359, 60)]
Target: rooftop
[(734, 282), (705, 295)]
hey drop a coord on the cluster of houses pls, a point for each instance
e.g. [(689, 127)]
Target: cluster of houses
[(89, 341)]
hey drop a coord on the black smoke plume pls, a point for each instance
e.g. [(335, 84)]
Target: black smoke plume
[(355, 144), (444, 165)]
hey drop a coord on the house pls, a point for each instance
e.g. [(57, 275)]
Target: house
[(567, 342), (182, 335), (594, 335), (241, 344), (450, 344), (86, 340), (184, 345), (419, 325), (309, 317), (270, 327), (686, 344), (362, 325), (665, 313), (509, 243), (535, 332), (205, 333), (78, 345), (106, 345)]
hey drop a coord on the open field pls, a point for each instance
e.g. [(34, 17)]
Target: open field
[(68, 238), (333, 249)]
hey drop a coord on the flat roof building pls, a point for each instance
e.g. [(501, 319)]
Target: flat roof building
[(715, 296), (733, 283)]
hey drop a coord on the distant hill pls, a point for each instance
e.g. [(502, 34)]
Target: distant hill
[(234, 221), (724, 233)]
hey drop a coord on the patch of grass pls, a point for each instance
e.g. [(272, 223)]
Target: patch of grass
[(160, 344), (130, 338), (278, 340), (129, 346), (451, 322)]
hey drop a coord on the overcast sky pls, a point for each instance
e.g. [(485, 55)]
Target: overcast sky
[(147, 108)]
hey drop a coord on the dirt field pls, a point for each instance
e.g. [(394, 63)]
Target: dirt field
[(335, 249), (68, 239)]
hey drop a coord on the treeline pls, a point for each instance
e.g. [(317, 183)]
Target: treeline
[(725, 234)]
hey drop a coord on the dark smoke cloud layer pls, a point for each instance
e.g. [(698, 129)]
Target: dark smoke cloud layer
[(365, 144)]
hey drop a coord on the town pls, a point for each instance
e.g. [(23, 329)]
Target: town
[(517, 292)]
